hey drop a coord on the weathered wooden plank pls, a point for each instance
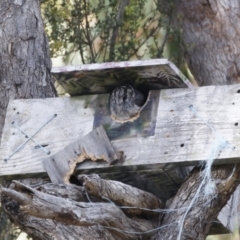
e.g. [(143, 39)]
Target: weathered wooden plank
[(30, 115), (94, 146), (152, 74), (167, 132), (75, 118), (111, 65)]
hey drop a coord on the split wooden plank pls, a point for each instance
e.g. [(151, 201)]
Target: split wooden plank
[(167, 132), (94, 146)]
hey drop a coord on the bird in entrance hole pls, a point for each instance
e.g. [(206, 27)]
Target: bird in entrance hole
[(126, 103)]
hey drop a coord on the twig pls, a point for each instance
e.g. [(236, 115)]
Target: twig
[(115, 29), (87, 32), (79, 33), (160, 51)]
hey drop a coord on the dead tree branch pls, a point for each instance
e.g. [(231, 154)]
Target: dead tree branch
[(29, 201), (122, 194)]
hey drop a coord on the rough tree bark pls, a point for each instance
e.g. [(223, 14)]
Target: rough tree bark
[(92, 219), (211, 31), (205, 210), (25, 63), (48, 211)]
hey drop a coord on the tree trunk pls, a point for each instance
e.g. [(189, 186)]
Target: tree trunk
[(211, 31), (205, 210), (25, 63)]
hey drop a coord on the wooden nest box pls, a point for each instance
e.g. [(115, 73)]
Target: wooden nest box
[(58, 133)]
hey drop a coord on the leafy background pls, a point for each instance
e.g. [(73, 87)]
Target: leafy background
[(82, 31)]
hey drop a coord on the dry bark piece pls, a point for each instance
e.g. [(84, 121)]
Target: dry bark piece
[(69, 191), (94, 146), (122, 194)]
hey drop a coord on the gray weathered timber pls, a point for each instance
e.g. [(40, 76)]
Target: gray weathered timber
[(151, 74), (69, 212), (163, 183), (122, 194), (167, 132), (94, 146)]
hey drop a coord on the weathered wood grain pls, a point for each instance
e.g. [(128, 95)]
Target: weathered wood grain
[(169, 134), (122, 194), (163, 183), (151, 74), (94, 146), (70, 212), (30, 115)]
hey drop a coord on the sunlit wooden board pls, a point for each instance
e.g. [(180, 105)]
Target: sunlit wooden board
[(167, 133)]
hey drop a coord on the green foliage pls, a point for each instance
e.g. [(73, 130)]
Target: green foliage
[(108, 30)]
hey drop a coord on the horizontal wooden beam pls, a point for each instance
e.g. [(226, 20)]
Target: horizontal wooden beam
[(167, 132)]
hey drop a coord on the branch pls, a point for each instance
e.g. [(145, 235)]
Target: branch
[(160, 51), (152, 33), (119, 20), (122, 194), (107, 215), (79, 34), (90, 43), (69, 191), (39, 228)]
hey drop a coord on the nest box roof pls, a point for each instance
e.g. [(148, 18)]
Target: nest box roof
[(104, 77)]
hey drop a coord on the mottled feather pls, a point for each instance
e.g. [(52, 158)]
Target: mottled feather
[(125, 103)]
